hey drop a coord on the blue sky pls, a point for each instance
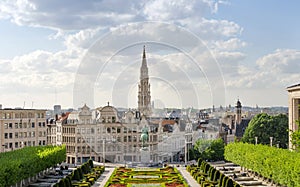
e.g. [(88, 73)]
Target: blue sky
[(251, 52)]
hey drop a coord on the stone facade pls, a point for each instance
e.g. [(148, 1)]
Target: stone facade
[(294, 110), (22, 127)]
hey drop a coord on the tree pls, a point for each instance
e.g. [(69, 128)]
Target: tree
[(295, 138), (264, 126), (210, 149)]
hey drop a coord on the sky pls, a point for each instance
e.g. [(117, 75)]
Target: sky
[(200, 53)]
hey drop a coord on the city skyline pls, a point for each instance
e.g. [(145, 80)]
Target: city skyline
[(247, 51)]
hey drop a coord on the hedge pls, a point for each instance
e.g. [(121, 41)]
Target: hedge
[(27, 162), (280, 165)]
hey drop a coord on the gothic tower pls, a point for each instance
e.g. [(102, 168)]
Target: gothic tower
[(144, 97)]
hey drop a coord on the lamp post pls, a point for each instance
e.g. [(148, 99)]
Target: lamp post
[(256, 140), (103, 150), (271, 141)]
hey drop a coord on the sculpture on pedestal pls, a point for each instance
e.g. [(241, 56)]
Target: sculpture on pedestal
[(144, 137)]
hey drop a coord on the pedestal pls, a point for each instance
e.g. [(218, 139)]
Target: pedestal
[(145, 155)]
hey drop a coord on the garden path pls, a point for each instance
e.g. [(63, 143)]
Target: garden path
[(187, 176)]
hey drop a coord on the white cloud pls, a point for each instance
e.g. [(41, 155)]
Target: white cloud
[(89, 21), (281, 61), (275, 70)]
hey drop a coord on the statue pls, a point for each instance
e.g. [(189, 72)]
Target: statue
[(144, 136)]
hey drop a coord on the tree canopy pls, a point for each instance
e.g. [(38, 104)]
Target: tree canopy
[(210, 149), (264, 126)]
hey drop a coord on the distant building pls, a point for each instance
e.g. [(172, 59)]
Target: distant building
[(294, 109), (22, 127), (233, 125)]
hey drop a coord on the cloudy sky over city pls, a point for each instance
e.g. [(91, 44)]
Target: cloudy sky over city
[(199, 52)]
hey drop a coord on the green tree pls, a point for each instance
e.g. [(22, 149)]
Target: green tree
[(295, 138), (264, 126), (210, 149)]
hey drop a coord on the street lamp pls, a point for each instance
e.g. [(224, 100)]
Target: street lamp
[(271, 141), (103, 151), (256, 140)]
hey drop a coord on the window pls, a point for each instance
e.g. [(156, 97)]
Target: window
[(113, 119), (5, 125), (92, 130), (10, 135), (32, 125), (16, 125), (10, 125), (40, 124), (108, 129), (6, 135), (118, 130), (118, 139), (125, 138), (16, 135), (16, 144), (44, 124)]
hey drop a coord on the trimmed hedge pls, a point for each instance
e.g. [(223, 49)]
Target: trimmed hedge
[(280, 165), (84, 175), (27, 162), (208, 176)]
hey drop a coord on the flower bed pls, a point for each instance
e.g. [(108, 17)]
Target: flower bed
[(129, 177)]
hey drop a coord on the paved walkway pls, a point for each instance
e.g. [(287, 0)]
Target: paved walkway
[(104, 177), (187, 176)]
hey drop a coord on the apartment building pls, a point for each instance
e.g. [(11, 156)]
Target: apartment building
[(22, 127)]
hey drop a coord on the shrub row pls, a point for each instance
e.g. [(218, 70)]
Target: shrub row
[(27, 162), (208, 176), (83, 176), (280, 165)]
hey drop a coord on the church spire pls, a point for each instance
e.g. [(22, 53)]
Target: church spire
[(144, 53), (144, 97)]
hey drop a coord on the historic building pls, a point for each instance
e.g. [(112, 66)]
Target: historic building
[(144, 97), (233, 124), (22, 127), (294, 107), (106, 135)]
